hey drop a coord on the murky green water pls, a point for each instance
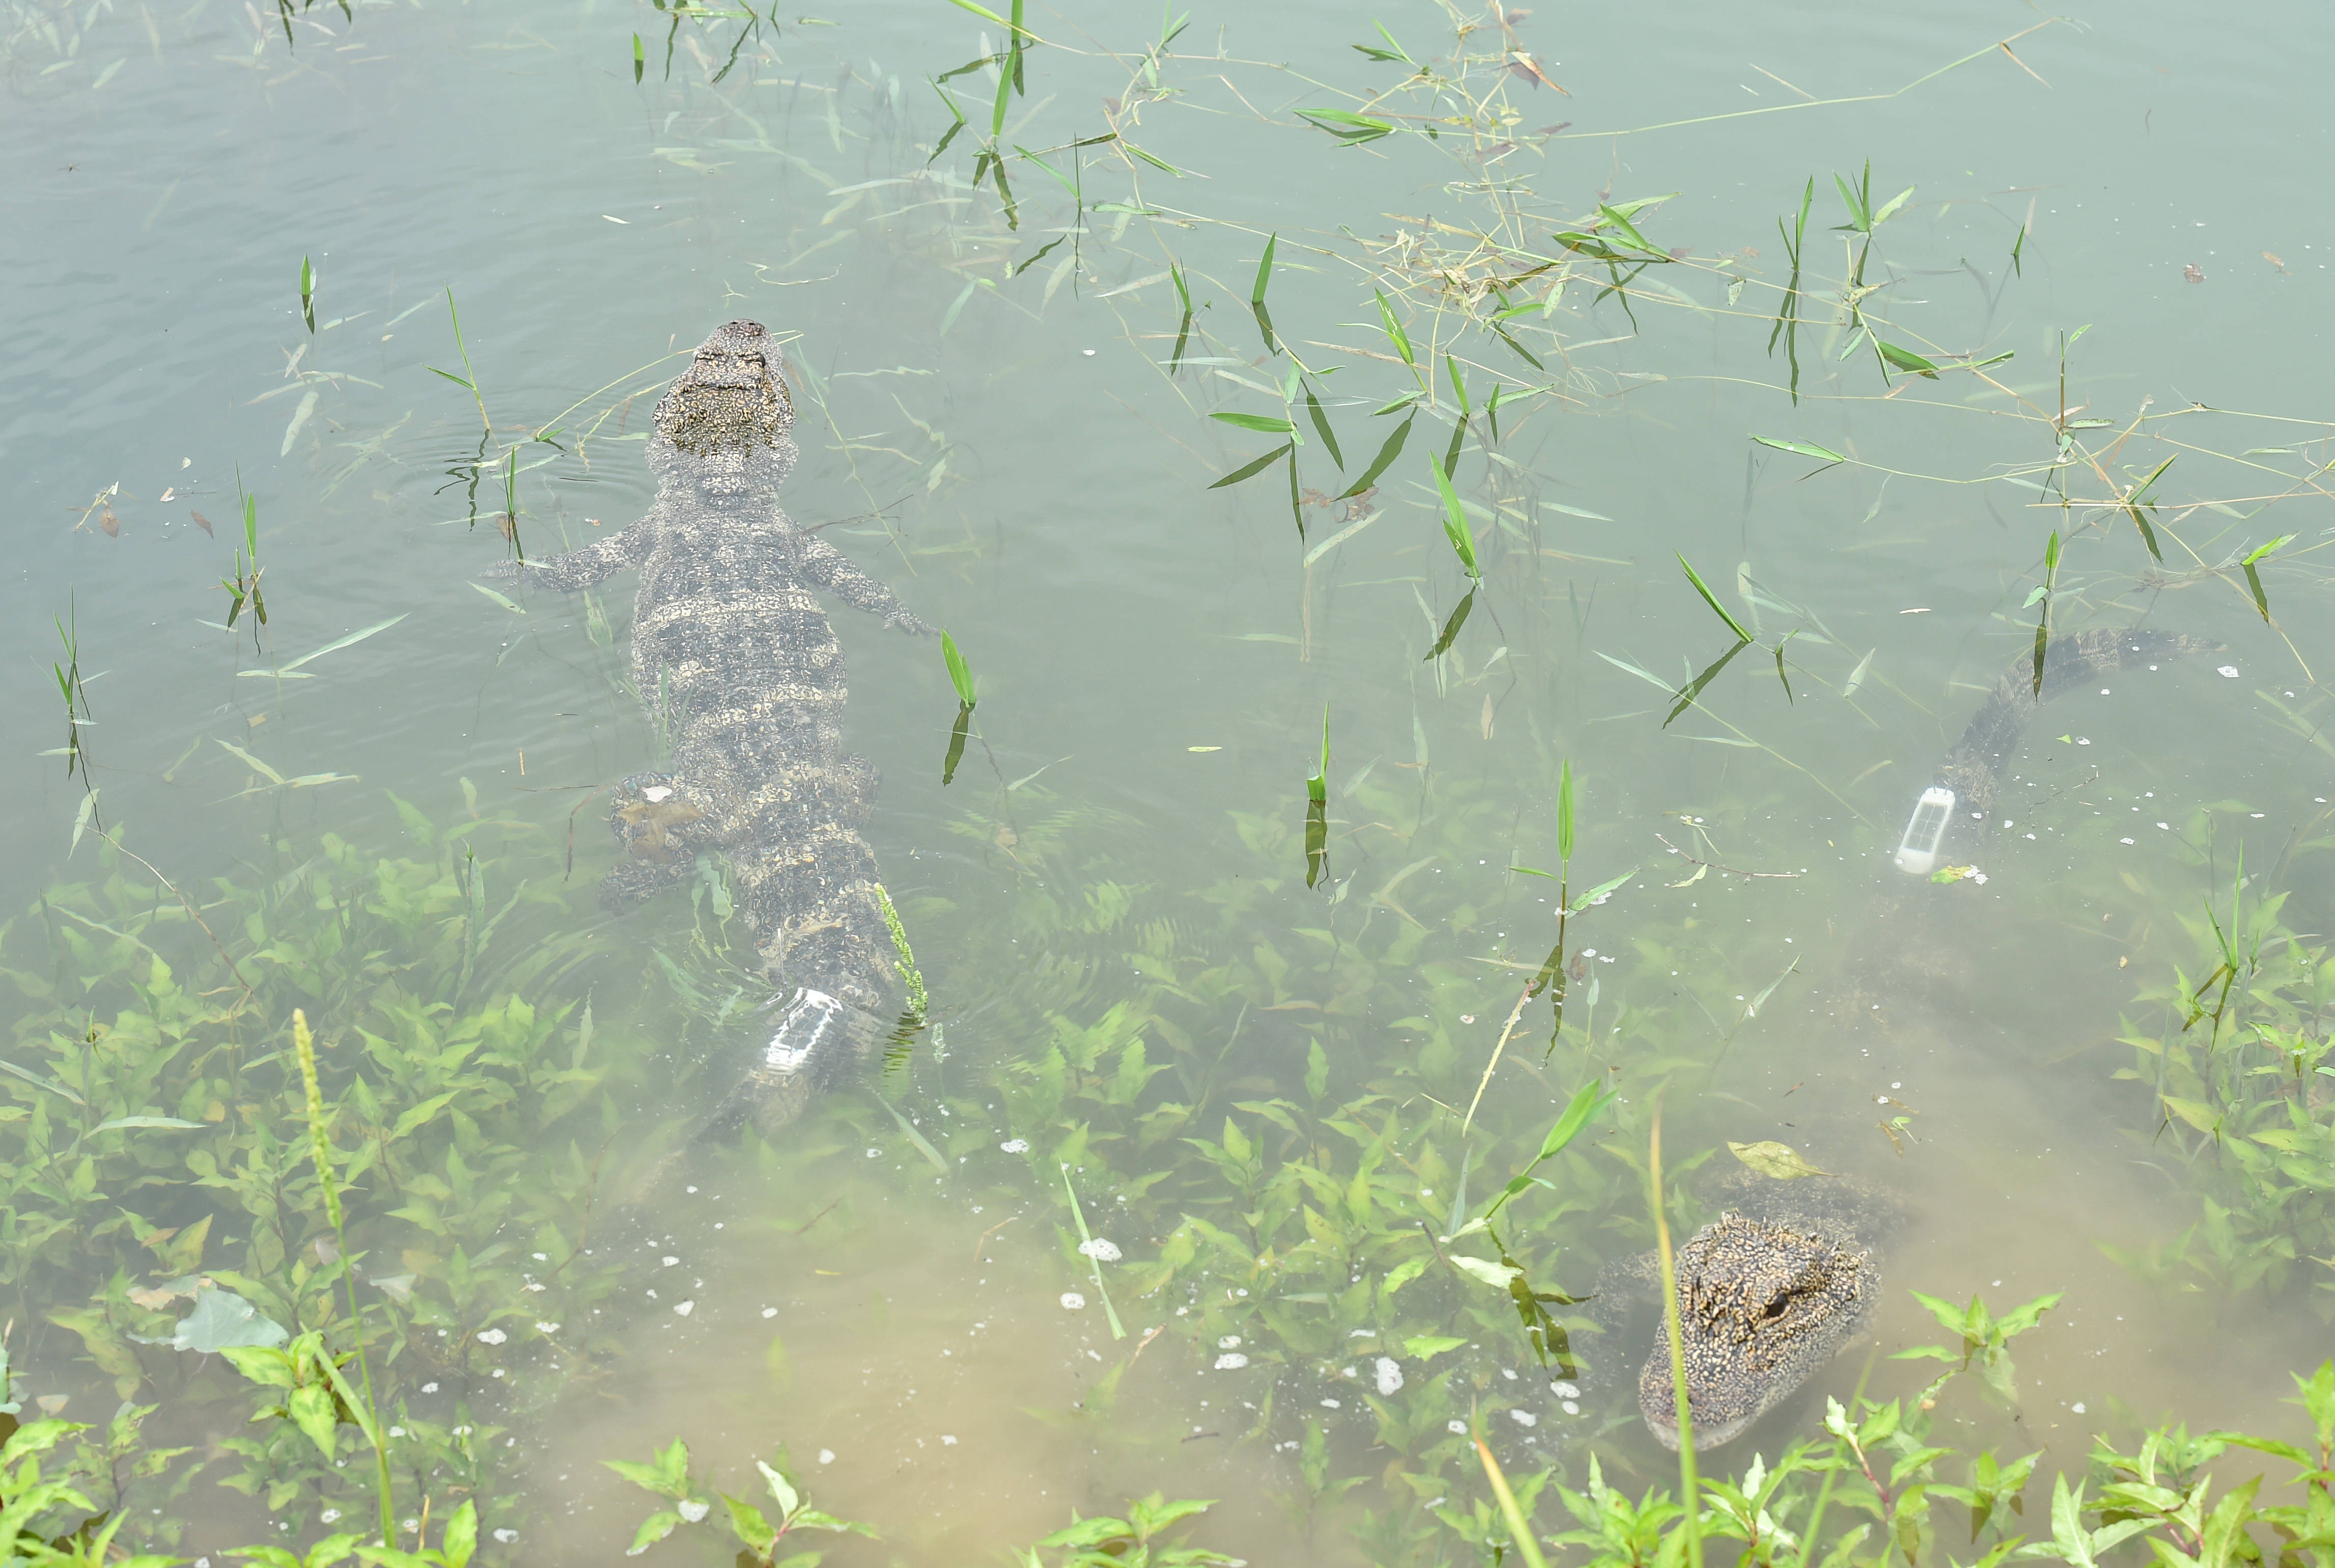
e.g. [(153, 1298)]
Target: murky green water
[(991, 425)]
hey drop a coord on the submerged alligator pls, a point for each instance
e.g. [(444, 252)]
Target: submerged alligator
[(1769, 1292), (733, 656), (1788, 1273), (1959, 803)]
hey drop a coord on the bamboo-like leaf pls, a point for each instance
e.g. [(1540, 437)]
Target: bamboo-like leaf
[(1694, 688), (335, 646), (986, 15), (1249, 470), (1906, 359), (1395, 335), (1263, 270), (1455, 522), (1711, 599), (1263, 423), (1457, 618), (1379, 464), (1600, 891), (1353, 130), (1857, 676), (1321, 424), (1564, 812), (1805, 449)]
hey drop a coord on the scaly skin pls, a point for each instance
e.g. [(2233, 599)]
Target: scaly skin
[(732, 652)]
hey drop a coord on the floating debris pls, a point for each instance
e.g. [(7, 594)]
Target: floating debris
[(1072, 1302)]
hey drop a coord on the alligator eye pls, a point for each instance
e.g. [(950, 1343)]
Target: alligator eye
[(1776, 1304)]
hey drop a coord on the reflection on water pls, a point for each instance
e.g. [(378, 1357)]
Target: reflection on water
[(1240, 1051)]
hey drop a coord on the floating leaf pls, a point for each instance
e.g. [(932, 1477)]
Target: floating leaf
[(1778, 1161), (222, 1319), (1906, 359), (1353, 130), (1249, 470), (1387, 455), (1711, 599), (1805, 449), (1455, 522), (1262, 423)]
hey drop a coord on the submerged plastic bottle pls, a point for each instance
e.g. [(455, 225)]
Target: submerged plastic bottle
[(1917, 851), (805, 1037)]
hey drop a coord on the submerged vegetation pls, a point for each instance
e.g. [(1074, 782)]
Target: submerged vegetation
[(334, 1176)]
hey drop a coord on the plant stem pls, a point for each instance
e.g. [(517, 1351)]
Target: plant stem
[(1519, 1527), (464, 349), (1688, 1485), (306, 1044)]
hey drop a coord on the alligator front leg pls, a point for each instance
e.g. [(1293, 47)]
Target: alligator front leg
[(583, 568), (828, 567)]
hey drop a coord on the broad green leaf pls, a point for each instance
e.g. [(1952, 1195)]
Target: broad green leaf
[(753, 1526), (960, 672), (311, 1409), (1425, 1347), (1778, 1161), (264, 1365), (654, 1529), (461, 1536), (1496, 1275), (780, 1489)]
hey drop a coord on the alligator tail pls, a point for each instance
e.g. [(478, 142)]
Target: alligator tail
[(1960, 795)]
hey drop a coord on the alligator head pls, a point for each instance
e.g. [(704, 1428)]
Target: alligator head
[(1761, 1306), (722, 427)]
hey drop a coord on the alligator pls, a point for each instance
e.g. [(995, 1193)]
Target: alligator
[(733, 658), (1771, 1289), (1769, 1292), (1959, 803)]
